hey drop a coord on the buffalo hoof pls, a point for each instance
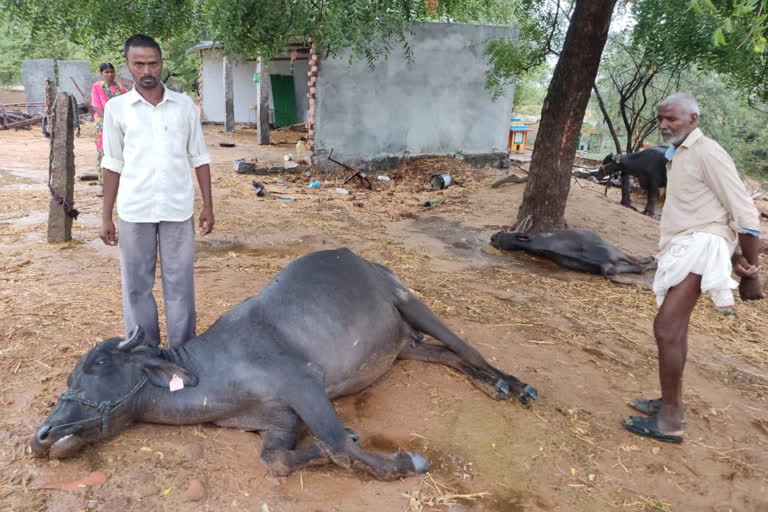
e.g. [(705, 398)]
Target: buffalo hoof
[(420, 464), (352, 435), (528, 392), (502, 386)]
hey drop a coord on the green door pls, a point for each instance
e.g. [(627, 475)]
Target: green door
[(284, 99)]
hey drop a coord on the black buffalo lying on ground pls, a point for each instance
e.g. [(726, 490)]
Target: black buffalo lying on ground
[(649, 166), (576, 249), (329, 324)]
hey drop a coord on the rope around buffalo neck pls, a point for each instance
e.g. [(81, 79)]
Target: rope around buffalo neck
[(104, 407)]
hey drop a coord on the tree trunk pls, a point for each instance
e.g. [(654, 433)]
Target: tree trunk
[(543, 206)]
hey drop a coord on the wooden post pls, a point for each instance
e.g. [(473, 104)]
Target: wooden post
[(61, 168), (229, 102), (50, 94), (262, 107)]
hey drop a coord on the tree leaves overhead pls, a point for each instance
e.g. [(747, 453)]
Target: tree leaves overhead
[(248, 28), (100, 25), (726, 36)]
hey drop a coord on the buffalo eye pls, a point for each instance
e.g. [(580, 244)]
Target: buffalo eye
[(100, 362)]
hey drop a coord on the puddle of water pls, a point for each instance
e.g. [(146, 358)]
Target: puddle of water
[(222, 246), (8, 179), (28, 220), (441, 462)]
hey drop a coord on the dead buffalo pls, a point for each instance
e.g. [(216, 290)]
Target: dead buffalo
[(329, 324), (576, 249)]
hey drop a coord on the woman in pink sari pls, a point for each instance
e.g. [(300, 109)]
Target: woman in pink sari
[(103, 91)]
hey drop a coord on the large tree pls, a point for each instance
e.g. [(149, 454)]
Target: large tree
[(543, 207)]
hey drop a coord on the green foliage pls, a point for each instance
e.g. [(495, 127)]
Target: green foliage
[(724, 36), (727, 117), (17, 43), (102, 25), (542, 26)]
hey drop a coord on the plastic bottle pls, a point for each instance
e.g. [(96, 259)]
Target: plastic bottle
[(315, 184)]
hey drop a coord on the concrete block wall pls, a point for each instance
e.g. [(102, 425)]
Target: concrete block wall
[(35, 72), (436, 104)]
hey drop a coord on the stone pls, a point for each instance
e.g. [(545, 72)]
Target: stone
[(194, 451), (195, 491)]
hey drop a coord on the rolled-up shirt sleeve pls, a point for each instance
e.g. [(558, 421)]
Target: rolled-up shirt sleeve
[(721, 175), (196, 151), (113, 137)]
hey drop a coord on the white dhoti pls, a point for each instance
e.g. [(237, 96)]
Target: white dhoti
[(705, 254)]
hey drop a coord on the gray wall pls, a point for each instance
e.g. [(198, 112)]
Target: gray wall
[(77, 69), (435, 105), (35, 72)]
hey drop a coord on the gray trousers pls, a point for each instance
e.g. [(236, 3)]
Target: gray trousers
[(139, 243)]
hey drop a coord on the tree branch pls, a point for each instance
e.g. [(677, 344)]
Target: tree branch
[(607, 119)]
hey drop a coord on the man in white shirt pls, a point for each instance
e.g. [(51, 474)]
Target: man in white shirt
[(152, 136)]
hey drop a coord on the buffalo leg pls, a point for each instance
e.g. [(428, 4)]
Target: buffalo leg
[(282, 459), (423, 320), (617, 255), (306, 396), (626, 199), (493, 383), (610, 269), (653, 198)]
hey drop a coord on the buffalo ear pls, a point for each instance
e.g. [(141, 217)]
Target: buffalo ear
[(160, 374)]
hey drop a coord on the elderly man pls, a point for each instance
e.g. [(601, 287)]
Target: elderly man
[(706, 213)]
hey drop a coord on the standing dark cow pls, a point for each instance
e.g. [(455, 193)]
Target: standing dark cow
[(330, 324), (576, 249), (649, 166)]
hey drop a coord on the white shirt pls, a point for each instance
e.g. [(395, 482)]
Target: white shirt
[(153, 148)]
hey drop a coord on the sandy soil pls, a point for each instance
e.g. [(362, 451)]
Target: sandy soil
[(585, 343)]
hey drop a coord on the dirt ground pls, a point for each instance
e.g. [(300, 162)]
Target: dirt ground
[(585, 343)]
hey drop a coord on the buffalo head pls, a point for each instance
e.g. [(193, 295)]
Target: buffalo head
[(102, 395), (505, 241)]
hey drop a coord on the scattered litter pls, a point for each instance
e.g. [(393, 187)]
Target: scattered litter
[(283, 198), (383, 178), (342, 191), (259, 188), (242, 167), (227, 144), (288, 157), (315, 184), (440, 181), (431, 202), (363, 179), (167, 491), (655, 450)]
